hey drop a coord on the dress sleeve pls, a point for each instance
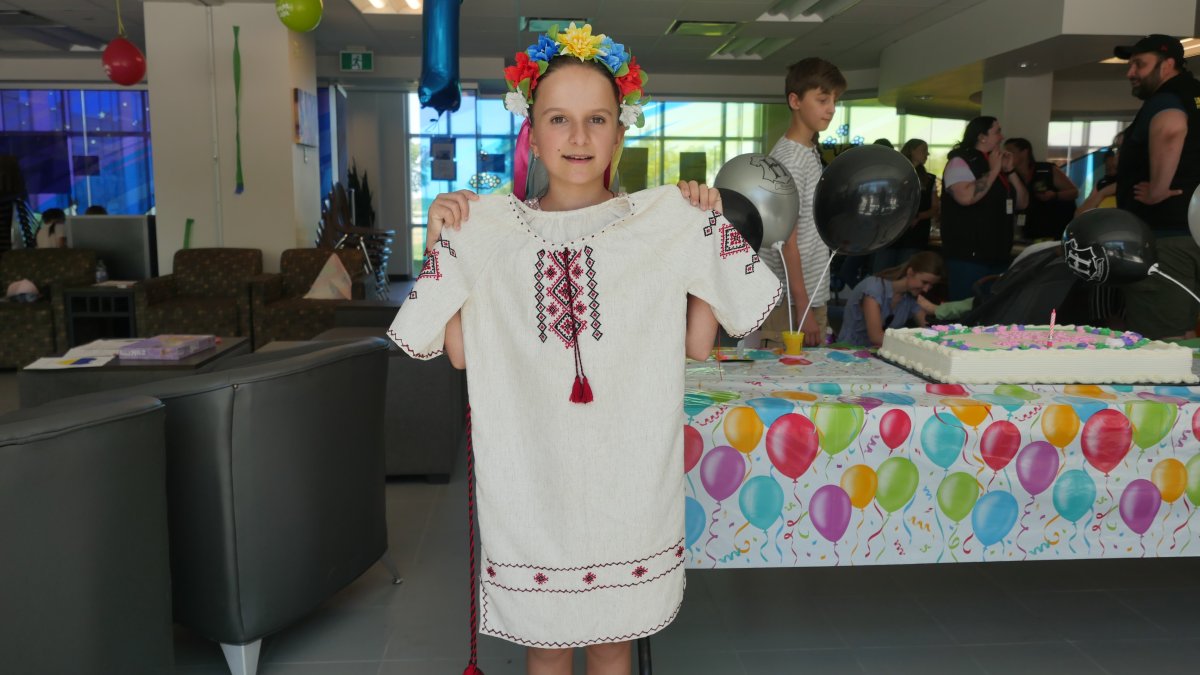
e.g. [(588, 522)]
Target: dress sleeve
[(724, 271), (440, 290)]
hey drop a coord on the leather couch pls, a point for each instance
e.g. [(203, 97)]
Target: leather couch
[(275, 480), (84, 575)]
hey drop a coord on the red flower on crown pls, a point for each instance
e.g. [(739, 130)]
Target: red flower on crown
[(525, 68), (631, 81)]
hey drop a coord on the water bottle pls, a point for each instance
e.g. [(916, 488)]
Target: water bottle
[(101, 272)]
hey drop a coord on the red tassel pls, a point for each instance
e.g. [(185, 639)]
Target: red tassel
[(587, 391), (577, 391), (472, 669)]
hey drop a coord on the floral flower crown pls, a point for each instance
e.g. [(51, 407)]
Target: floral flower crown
[(578, 42)]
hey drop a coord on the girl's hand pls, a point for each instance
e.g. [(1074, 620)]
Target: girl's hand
[(449, 209), (700, 195), (927, 306)]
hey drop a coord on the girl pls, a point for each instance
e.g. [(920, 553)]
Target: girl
[(571, 313), (889, 299)]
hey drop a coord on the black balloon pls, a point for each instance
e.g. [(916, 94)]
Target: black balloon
[(743, 215), (866, 198), (1109, 245)]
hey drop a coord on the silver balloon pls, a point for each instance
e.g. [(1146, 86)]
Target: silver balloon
[(1194, 215), (765, 182)]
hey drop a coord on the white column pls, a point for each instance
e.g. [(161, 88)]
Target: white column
[(190, 70), (1022, 104)]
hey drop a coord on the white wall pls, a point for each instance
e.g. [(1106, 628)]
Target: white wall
[(195, 162)]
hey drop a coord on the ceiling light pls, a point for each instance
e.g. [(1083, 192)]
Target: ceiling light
[(406, 8), (413, 4), (924, 97), (806, 10), (378, 4), (542, 25), (702, 28)]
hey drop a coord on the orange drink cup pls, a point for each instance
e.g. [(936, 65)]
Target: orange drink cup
[(793, 341)]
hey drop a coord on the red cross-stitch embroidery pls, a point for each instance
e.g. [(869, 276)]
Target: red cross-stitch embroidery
[(566, 294), (540, 578), (491, 571), (732, 241), (640, 571), (431, 269), (589, 578)]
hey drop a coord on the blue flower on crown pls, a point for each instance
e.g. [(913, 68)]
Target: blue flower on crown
[(544, 50), (612, 55)]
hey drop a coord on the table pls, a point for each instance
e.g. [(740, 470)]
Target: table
[(837, 458), (96, 312), (35, 387)]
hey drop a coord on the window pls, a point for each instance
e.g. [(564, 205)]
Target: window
[(77, 147), (689, 138)]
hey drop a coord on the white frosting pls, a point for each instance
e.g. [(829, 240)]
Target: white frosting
[(1153, 362)]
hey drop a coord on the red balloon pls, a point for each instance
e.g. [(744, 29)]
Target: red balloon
[(894, 427), (123, 62), (1000, 443), (946, 389), (693, 447), (792, 444), (1106, 439)]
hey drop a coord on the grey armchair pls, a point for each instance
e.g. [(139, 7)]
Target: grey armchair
[(275, 480), (84, 573)]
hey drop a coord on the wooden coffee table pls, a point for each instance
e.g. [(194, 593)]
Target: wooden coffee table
[(35, 387)]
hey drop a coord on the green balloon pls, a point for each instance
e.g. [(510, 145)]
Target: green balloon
[(300, 15), (1193, 480), (957, 495), (898, 480), (723, 396), (1151, 421), (837, 425), (1016, 391)]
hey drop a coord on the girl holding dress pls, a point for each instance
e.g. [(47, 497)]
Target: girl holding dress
[(572, 314)]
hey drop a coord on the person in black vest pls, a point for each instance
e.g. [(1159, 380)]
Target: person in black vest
[(1051, 194), (981, 194), (1158, 169)]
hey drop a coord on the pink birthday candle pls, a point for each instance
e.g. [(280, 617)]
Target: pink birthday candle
[(1053, 316)]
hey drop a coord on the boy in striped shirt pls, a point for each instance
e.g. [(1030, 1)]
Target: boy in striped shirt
[(813, 88)]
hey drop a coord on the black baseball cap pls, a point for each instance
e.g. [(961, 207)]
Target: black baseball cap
[(1165, 45)]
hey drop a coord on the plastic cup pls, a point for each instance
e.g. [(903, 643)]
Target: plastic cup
[(793, 341)]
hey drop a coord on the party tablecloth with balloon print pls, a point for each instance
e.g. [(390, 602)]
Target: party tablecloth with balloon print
[(837, 458)]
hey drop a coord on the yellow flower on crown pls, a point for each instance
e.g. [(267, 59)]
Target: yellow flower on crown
[(579, 42)]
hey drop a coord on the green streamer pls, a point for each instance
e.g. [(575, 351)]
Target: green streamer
[(237, 108), (187, 232)]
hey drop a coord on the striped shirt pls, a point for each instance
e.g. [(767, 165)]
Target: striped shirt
[(804, 163)]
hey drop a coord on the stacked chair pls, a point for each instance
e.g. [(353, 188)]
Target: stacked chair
[(337, 230)]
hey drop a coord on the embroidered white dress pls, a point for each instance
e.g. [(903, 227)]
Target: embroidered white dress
[(581, 505)]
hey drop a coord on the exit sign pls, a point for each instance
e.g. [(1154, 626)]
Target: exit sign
[(359, 62)]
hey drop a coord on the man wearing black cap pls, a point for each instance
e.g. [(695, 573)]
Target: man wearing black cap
[(1158, 168)]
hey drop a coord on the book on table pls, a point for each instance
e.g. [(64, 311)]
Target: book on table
[(167, 347)]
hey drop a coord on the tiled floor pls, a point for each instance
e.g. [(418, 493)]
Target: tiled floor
[(1116, 616)]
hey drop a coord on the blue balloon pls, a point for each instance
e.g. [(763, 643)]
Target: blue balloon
[(1084, 407), (439, 86), (1180, 392), (891, 397), (770, 409), (830, 388), (693, 520), (1124, 388), (1010, 403), (694, 402), (843, 357), (761, 500), (942, 438), (1074, 494), (994, 516)]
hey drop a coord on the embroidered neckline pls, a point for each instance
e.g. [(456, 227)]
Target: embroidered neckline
[(525, 212)]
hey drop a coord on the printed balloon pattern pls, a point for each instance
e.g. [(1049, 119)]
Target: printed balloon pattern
[(788, 471)]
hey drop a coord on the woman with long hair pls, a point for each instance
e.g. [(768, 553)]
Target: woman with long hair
[(916, 238), (981, 194), (889, 299)]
